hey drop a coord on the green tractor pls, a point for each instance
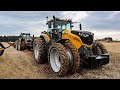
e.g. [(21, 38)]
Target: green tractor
[(24, 42)]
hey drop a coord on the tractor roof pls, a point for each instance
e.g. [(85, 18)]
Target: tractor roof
[(58, 19), (82, 31), (25, 33)]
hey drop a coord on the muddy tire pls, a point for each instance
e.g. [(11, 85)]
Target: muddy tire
[(16, 45), (29, 48), (39, 51), (19, 45), (75, 61), (99, 48), (2, 51), (96, 49), (58, 59), (102, 48)]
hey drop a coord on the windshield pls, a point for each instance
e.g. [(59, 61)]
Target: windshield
[(26, 36), (59, 25), (76, 26), (63, 25)]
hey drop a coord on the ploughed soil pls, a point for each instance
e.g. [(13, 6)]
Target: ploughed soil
[(16, 64)]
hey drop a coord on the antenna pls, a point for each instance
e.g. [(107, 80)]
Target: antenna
[(47, 20), (53, 17), (80, 26)]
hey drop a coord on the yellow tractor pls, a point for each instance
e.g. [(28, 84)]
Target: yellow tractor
[(67, 50), (24, 42)]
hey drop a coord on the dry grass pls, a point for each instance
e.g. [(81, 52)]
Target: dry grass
[(21, 65)]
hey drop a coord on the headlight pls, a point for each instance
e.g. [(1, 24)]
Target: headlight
[(83, 34)]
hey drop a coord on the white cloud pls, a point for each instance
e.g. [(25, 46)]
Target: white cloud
[(15, 22), (76, 16), (115, 34)]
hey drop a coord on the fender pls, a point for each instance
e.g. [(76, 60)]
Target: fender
[(62, 41), (45, 37)]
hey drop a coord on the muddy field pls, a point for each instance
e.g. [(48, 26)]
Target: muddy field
[(21, 65)]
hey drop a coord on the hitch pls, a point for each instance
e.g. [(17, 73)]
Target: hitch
[(2, 48)]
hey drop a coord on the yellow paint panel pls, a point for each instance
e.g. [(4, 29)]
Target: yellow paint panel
[(1, 49), (47, 37), (74, 39)]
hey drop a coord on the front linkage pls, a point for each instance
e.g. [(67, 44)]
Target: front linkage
[(93, 57)]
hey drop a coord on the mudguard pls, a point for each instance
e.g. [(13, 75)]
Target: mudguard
[(45, 37)]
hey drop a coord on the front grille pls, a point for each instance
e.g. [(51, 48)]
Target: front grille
[(86, 40)]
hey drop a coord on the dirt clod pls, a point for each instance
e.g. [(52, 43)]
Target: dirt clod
[(21, 65)]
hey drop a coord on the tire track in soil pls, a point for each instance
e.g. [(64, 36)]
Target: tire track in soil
[(21, 65)]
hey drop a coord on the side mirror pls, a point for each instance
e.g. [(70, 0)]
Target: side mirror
[(80, 27), (49, 24)]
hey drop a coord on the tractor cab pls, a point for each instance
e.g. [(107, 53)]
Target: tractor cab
[(56, 26), (25, 36)]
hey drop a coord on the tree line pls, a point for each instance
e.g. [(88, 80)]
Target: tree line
[(8, 38)]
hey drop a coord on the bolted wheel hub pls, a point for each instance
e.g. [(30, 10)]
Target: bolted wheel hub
[(55, 60), (36, 51), (70, 57)]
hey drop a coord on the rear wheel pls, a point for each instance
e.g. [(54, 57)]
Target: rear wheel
[(20, 46), (39, 50), (58, 59), (74, 57)]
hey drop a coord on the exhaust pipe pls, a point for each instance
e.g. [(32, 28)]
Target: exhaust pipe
[(80, 27)]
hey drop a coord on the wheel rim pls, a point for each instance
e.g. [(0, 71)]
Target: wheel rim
[(18, 46), (36, 51), (55, 60), (70, 57)]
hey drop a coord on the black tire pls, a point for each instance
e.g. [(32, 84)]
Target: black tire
[(75, 57), (39, 47), (2, 51), (63, 58), (99, 48), (96, 49), (29, 48), (102, 47)]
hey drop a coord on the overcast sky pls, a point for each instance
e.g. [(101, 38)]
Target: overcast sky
[(101, 23)]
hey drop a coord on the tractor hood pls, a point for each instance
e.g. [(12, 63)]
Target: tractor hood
[(85, 36), (81, 31)]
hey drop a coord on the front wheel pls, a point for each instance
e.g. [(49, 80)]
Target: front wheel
[(74, 57), (58, 59), (19, 45), (99, 48)]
